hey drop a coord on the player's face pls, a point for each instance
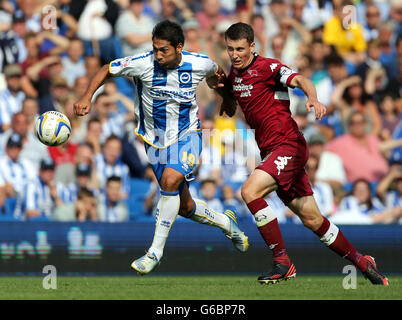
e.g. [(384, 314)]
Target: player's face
[(240, 52), (167, 55)]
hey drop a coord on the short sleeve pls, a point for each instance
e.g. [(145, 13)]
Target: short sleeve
[(131, 66), (210, 67), (281, 73)]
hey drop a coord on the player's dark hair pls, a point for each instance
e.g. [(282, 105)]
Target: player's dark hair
[(169, 31), (240, 31)]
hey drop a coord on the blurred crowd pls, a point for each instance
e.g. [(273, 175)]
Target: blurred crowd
[(50, 50)]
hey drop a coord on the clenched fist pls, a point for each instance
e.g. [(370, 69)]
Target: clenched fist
[(82, 106)]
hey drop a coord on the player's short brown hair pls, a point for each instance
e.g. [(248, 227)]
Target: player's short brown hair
[(240, 31)]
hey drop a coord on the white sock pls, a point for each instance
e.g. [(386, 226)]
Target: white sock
[(167, 210), (205, 215)]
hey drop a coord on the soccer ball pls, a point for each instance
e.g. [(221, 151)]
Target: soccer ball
[(53, 128)]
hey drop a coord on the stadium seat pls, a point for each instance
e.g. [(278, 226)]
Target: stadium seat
[(139, 189)]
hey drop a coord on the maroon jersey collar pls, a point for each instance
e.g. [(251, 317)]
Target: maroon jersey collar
[(251, 63)]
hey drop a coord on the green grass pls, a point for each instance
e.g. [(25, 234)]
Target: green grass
[(196, 288)]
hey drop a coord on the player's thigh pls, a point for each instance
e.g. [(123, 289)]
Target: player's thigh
[(258, 185), (307, 210)]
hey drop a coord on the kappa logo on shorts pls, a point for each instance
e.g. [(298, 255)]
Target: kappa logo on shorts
[(281, 163)]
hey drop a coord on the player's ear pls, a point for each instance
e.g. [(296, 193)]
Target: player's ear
[(179, 48), (252, 47)]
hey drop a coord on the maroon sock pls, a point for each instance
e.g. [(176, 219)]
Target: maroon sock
[(270, 231), (333, 238)]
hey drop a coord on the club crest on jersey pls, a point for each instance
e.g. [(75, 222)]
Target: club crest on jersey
[(125, 62), (185, 77), (252, 73)]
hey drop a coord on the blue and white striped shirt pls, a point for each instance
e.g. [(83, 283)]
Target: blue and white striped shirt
[(106, 170), (165, 103), (16, 173), (9, 105), (37, 198)]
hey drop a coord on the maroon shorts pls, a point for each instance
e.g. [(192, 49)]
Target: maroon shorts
[(286, 165)]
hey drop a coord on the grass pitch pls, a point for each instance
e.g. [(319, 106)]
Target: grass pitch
[(160, 287)]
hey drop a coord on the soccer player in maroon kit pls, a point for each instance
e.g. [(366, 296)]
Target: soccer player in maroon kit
[(261, 88)]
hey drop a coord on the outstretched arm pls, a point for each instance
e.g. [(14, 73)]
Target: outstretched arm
[(83, 105), (312, 101), (220, 83)]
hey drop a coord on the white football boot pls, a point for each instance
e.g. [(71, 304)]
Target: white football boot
[(239, 239), (145, 264)]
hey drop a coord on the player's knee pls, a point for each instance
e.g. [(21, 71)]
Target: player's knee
[(248, 194)]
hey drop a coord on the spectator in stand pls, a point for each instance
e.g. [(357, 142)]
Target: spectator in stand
[(362, 154), (83, 179), (80, 85), (348, 39), (323, 194), (210, 16), (111, 206), (30, 108), (42, 195), (15, 172), (37, 68), (322, 191), (378, 83), (64, 153), (390, 116), (208, 194), (111, 120), (134, 28), (349, 96), (296, 38), (59, 90), (12, 97), (230, 202), (32, 150), (372, 60), (330, 168), (78, 125), (96, 20), (336, 73), (272, 14), (109, 163), (84, 209), (93, 136), (389, 189), (373, 21), (360, 207), (73, 63), (92, 65)]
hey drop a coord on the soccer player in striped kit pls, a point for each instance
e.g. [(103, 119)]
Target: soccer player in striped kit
[(260, 86), (166, 79)]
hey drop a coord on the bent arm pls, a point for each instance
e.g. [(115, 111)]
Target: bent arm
[(308, 88)]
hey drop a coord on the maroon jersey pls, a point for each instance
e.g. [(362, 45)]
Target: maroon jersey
[(262, 93)]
